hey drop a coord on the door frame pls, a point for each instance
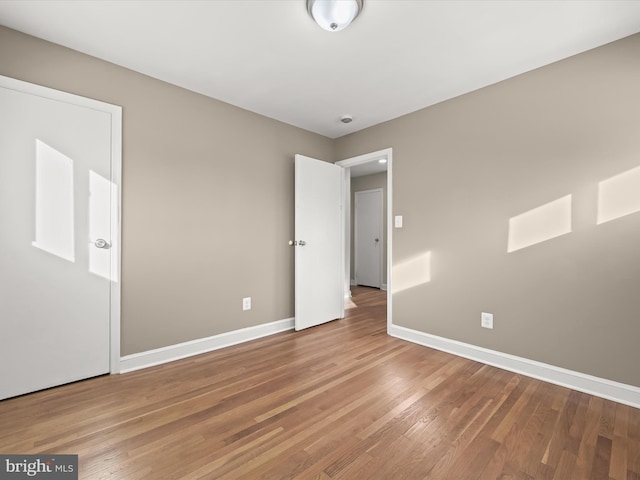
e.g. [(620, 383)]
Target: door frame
[(380, 234), (115, 113), (386, 154)]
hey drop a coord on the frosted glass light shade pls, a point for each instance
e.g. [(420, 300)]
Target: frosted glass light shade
[(334, 15)]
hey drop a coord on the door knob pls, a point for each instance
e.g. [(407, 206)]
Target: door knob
[(376, 240), (292, 243), (101, 243)]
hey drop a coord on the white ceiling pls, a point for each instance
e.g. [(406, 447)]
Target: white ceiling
[(269, 57)]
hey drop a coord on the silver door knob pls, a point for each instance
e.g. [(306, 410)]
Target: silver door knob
[(101, 243), (292, 243), (376, 240)]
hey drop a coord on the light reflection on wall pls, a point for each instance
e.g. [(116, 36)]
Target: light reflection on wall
[(54, 216), (412, 272), (619, 196), (540, 224), (102, 201)]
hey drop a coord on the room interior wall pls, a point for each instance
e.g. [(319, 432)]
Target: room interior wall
[(522, 199), (208, 207), (207, 198), (359, 184)]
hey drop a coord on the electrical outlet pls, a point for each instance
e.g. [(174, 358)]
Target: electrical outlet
[(246, 303), (486, 320)]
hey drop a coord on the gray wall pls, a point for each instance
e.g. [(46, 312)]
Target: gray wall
[(204, 180), (207, 198), (463, 168), (370, 182)]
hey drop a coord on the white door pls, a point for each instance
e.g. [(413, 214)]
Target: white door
[(319, 253), (58, 239), (368, 238)]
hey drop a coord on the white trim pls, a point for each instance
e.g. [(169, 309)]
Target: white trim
[(116, 260), (346, 229), (171, 353), (386, 154), (343, 247), (600, 387), (115, 112), (389, 239), (384, 287)]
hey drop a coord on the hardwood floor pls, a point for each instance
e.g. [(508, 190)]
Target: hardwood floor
[(338, 401)]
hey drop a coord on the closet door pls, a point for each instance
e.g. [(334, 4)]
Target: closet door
[(58, 239)]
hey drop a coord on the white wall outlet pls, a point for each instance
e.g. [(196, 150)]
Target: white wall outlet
[(486, 320), (397, 222), (246, 303)]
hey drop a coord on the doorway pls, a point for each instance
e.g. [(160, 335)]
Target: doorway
[(363, 166)]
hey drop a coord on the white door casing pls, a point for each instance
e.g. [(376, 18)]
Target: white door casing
[(319, 249), (368, 237), (60, 158)]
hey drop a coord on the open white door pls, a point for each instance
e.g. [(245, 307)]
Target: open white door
[(319, 296)]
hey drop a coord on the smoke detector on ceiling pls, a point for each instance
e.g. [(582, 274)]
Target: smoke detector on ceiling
[(346, 119)]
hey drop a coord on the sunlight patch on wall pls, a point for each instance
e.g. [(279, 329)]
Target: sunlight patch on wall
[(54, 205), (540, 224), (413, 272), (102, 201), (619, 196)]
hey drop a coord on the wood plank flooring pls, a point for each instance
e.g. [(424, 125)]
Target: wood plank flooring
[(338, 401)]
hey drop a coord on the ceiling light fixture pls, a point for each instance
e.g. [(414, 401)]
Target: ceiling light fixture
[(346, 119), (334, 15)]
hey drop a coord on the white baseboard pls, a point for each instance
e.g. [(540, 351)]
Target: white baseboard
[(384, 287), (158, 356), (600, 387)]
